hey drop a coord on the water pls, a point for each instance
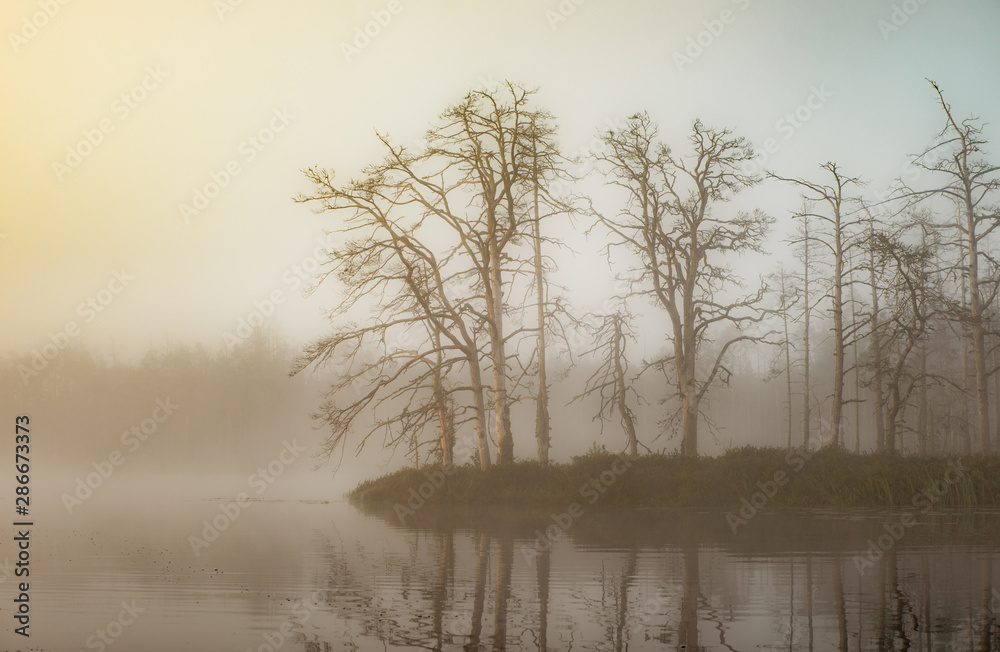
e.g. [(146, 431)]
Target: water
[(295, 575)]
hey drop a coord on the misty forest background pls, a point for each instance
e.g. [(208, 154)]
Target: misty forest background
[(865, 320)]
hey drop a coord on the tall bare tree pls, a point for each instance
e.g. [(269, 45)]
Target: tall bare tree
[(971, 183), (788, 296), (385, 268), (805, 243), (838, 222), (442, 238), (875, 270), (669, 220), (546, 168), (500, 147)]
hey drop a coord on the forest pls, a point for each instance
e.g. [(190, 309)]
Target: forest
[(880, 328)]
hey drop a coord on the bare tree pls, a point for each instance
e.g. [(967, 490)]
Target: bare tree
[(499, 147), (385, 268), (838, 238), (611, 380), (806, 243), (546, 167), (907, 286), (437, 239), (669, 220), (971, 183), (788, 296), (875, 270), (856, 326)]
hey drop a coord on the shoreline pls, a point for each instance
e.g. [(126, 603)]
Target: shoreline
[(745, 480)]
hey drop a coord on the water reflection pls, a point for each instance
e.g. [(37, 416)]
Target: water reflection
[(328, 577), (693, 588)]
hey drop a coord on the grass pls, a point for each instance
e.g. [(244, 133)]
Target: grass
[(827, 478)]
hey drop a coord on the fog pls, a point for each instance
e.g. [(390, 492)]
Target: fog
[(218, 249)]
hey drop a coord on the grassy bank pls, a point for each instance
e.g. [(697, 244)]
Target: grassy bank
[(763, 476)]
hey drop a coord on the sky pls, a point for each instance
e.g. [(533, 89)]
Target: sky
[(149, 153)]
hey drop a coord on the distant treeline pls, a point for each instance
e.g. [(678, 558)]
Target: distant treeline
[(181, 408)]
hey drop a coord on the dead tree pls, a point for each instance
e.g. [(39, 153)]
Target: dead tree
[(971, 183), (611, 381), (497, 149), (875, 270), (788, 296), (806, 254), (838, 223), (671, 220), (386, 268), (907, 287)]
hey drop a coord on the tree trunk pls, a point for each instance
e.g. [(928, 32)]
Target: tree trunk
[(857, 370), (542, 402), (498, 356), (966, 443), (788, 361), (837, 409), (806, 415), (621, 391), (996, 392), (479, 404), (890, 423), (876, 336), (445, 417), (689, 441), (687, 368), (979, 353), (922, 408)]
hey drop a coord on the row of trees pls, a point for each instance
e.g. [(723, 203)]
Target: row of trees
[(911, 287), (230, 408), (449, 309)]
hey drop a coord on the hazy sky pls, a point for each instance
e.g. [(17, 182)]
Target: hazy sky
[(174, 93)]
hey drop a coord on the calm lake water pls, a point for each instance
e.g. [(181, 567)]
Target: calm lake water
[(298, 575)]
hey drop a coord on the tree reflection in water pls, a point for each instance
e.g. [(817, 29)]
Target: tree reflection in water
[(618, 585)]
